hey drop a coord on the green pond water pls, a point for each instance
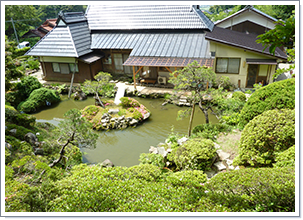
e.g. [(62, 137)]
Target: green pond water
[(123, 147)]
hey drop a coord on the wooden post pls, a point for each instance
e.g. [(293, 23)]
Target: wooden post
[(191, 120), (71, 83), (239, 83), (134, 75), (207, 85)]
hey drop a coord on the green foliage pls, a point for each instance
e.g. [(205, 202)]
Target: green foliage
[(283, 35), (20, 131), (260, 190), (195, 154), (13, 116), (187, 178), (210, 131), (193, 77), (38, 99), (228, 106), (95, 87), (9, 173), (78, 128), (147, 172), (222, 82), (276, 95), (136, 113), (263, 137), (153, 159), (232, 120), (92, 188), (248, 91), (14, 194), (239, 95), (286, 158), (129, 102), (108, 90)]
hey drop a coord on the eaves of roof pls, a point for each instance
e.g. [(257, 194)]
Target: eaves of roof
[(241, 40), (247, 9)]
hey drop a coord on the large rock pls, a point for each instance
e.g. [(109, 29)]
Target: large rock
[(107, 163), (39, 151), (31, 139), (220, 166), (8, 146), (133, 122), (146, 116), (182, 140), (153, 150), (113, 111), (223, 155), (161, 150), (80, 96)]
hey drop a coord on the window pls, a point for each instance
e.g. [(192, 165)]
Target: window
[(56, 67), (64, 68), (118, 61), (71, 67), (228, 65)]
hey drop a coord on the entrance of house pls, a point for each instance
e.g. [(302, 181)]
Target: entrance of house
[(252, 74)]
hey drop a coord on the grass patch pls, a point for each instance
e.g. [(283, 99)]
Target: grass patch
[(229, 142)]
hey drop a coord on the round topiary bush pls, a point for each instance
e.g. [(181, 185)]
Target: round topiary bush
[(263, 137), (251, 189), (27, 85), (39, 98), (239, 95), (286, 158), (195, 154), (277, 95), (189, 178)]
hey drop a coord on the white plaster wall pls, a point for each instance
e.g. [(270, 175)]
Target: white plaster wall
[(250, 16)]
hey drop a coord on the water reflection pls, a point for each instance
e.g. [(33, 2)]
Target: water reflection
[(123, 147)]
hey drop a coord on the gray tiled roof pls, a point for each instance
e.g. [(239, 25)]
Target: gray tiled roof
[(241, 40), (113, 17), (72, 40), (186, 45)]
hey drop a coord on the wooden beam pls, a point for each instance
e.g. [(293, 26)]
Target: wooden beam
[(168, 69)]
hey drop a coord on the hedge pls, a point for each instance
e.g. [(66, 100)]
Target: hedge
[(266, 135), (277, 95)]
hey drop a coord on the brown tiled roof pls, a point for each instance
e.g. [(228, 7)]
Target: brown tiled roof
[(43, 29), (166, 61), (241, 40)]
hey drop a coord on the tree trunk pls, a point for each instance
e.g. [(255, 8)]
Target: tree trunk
[(191, 120), (204, 110), (99, 100)]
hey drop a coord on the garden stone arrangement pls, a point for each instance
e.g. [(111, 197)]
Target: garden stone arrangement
[(129, 113), (219, 162)]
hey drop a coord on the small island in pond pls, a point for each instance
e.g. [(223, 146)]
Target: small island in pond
[(128, 113)]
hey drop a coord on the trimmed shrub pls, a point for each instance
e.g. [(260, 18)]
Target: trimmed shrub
[(13, 116), (154, 159), (263, 137), (195, 154), (239, 95), (39, 98), (188, 178), (262, 189), (147, 172), (27, 85), (286, 158), (129, 102), (277, 95)]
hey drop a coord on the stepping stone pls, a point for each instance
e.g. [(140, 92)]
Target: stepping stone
[(220, 166), (223, 155)]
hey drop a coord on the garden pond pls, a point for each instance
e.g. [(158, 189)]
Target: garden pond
[(123, 147)]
